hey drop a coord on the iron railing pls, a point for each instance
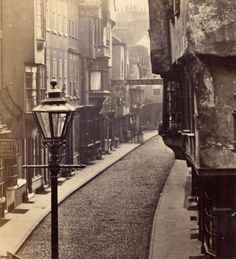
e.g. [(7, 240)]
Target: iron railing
[(209, 227)]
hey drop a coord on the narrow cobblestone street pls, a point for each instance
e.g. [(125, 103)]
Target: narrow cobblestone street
[(111, 216)]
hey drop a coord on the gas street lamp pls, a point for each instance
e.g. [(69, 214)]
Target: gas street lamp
[(53, 118)]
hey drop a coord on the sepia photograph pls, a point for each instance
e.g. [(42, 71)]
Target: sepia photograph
[(117, 129)]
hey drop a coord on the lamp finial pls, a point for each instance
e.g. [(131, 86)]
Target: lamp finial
[(53, 83)]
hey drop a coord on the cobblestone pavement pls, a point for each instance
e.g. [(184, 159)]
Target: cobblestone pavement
[(112, 216)]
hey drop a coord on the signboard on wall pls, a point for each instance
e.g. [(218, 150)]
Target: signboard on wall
[(138, 82), (7, 148), (9, 110)]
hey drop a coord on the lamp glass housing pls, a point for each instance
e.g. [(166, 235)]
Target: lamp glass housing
[(54, 116), (53, 125)]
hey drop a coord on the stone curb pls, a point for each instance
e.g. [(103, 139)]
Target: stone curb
[(154, 226)]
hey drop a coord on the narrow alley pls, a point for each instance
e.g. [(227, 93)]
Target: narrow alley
[(112, 216)]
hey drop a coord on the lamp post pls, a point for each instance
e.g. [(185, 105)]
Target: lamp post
[(53, 118)]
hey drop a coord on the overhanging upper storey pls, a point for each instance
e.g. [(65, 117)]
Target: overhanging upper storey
[(183, 26)]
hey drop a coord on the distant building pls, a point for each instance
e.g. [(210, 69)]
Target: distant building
[(154, 93), (96, 19), (120, 89), (151, 114), (140, 66), (132, 22)]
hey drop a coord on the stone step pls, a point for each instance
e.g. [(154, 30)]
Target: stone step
[(61, 180)]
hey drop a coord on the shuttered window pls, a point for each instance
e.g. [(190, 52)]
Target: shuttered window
[(177, 7)]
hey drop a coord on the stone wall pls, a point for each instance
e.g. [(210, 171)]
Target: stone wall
[(214, 82), (159, 36), (203, 27), (202, 41), (211, 27)]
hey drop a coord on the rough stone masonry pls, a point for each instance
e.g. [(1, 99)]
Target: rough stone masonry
[(204, 46)]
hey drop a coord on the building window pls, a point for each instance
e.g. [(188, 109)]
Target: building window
[(30, 88), (47, 17), (177, 7), (97, 32), (77, 73), (73, 29), (73, 75), (173, 106), (95, 80), (59, 24), (122, 68), (76, 30), (54, 21), (171, 95), (48, 70), (69, 27), (104, 82), (65, 25), (60, 74), (54, 68), (39, 19), (174, 10), (60, 18), (108, 35), (41, 81), (65, 72)]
